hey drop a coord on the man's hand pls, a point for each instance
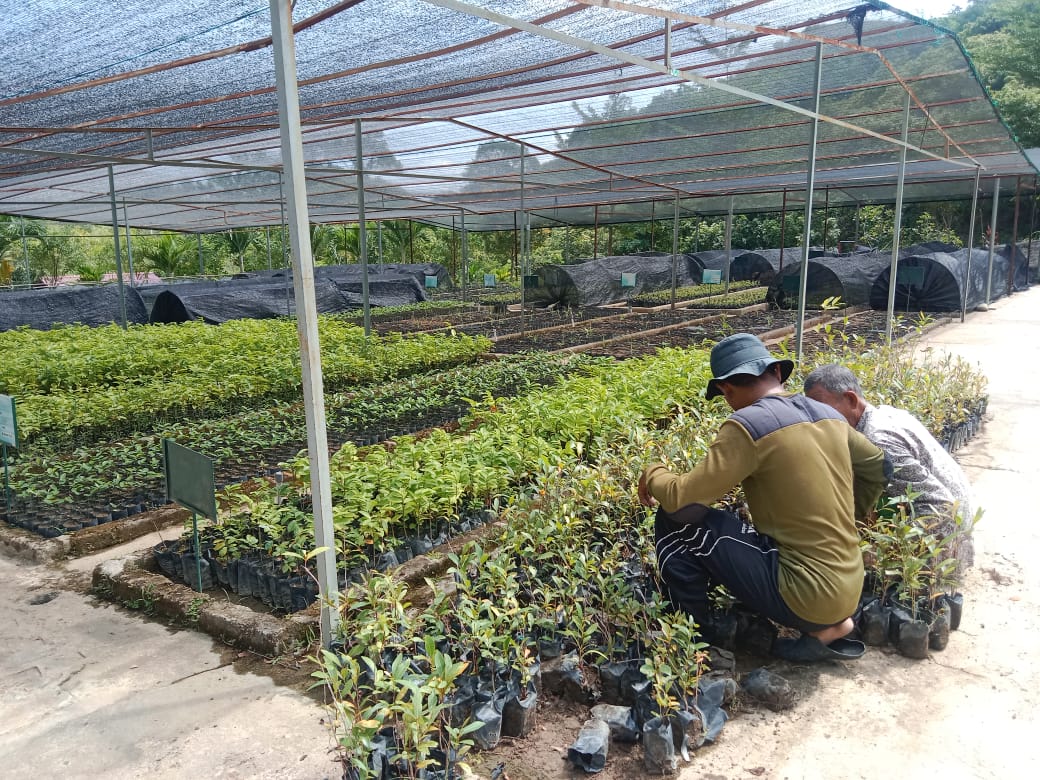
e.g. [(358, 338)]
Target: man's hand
[(644, 495)]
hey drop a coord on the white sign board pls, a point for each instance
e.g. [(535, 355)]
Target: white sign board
[(8, 424)]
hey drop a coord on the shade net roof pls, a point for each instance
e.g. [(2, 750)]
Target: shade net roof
[(570, 110)]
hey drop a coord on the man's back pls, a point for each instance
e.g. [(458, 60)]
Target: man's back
[(919, 462)]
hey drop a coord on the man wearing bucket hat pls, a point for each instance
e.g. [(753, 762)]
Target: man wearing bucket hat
[(807, 476)]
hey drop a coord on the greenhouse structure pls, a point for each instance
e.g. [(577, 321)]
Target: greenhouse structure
[(484, 116)]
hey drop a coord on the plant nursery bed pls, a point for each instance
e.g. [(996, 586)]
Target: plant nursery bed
[(717, 325), (590, 332), (867, 329), (642, 334)]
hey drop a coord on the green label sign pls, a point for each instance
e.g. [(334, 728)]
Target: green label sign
[(489, 280), (530, 280), (628, 280), (711, 277), (911, 276), (189, 479), (8, 422), (431, 282)]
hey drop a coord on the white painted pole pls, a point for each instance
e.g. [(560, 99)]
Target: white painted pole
[(992, 238), (366, 308), (115, 237), (306, 312), (897, 226), (971, 244), (810, 185)]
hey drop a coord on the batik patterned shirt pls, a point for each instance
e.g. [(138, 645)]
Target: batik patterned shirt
[(920, 463)]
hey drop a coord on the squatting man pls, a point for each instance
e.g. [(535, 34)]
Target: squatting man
[(807, 476)]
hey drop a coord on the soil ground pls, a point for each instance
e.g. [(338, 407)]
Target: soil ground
[(94, 690)]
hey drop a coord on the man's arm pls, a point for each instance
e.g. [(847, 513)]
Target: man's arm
[(871, 471), (730, 458)]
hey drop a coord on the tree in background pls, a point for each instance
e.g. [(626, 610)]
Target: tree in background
[(237, 243), (52, 254), (168, 255), (1003, 38)]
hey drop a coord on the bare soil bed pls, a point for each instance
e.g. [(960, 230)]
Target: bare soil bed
[(590, 332)]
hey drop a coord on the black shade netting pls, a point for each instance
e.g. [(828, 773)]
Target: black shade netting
[(849, 277), (599, 282), (937, 281), (387, 289), (1018, 266), (234, 301), (93, 306)]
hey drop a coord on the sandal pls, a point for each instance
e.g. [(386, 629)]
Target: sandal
[(808, 648)]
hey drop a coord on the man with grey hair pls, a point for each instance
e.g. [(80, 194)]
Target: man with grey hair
[(919, 462)]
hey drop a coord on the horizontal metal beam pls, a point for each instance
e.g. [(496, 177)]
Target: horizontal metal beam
[(632, 59)]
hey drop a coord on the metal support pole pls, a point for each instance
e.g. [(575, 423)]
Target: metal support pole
[(729, 240), (115, 238), (810, 185), (1032, 227), (783, 230), (366, 308), (992, 238), (1014, 238), (595, 230), (198, 245), (675, 248), (826, 216), (523, 233), (971, 243), (668, 43), (25, 253), (652, 204), (129, 249), (379, 241), (897, 226), (465, 255), (285, 249), (267, 237), (306, 311)]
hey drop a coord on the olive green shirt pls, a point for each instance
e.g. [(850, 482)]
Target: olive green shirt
[(807, 476)]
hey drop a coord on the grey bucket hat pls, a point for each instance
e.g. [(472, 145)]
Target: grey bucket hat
[(742, 353)]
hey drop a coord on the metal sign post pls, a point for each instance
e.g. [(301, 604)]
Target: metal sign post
[(189, 482), (8, 435)]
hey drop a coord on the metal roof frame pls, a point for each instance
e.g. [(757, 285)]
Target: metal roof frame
[(534, 76)]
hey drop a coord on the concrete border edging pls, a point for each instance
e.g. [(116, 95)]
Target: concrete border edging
[(134, 582)]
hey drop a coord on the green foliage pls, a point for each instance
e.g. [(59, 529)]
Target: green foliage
[(168, 255), (1002, 37), (662, 297), (80, 384)]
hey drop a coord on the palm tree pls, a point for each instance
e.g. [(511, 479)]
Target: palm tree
[(324, 239), (169, 255), (237, 241)]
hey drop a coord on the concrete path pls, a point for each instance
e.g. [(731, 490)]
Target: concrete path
[(92, 690)]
